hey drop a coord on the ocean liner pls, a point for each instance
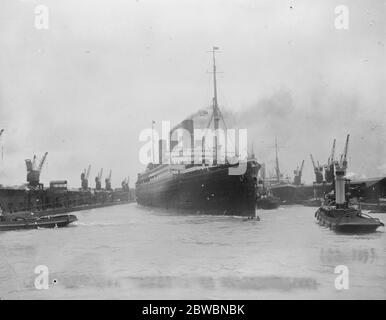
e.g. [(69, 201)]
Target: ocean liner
[(207, 187)]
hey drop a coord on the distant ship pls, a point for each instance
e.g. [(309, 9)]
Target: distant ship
[(205, 188), (298, 193), (282, 188)]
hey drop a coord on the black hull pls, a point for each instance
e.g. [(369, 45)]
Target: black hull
[(268, 204), (59, 211), (357, 229), (286, 193), (209, 190), (15, 201), (35, 223), (292, 194), (346, 220)]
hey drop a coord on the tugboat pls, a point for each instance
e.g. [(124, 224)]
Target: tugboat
[(265, 199), (264, 196), (338, 214), (17, 222)]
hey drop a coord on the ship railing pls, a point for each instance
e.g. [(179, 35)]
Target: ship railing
[(362, 214)]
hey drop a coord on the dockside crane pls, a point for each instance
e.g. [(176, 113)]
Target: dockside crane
[(329, 168), (318, 170), (340, 172), (108, 182), (298, 175), (34, 161), (84, 177), (98, 180), (277, 169), (40, 167), (332, 155), (343, 157), (33, 171), (88, 171)]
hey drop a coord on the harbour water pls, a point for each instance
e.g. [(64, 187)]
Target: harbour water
[(130, 252)]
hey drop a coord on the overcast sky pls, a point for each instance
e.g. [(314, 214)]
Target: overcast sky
[(84, 88)]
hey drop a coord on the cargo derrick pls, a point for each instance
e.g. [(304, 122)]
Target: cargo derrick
[(298, 175), (108, 182), (84, 178), (318, 170), (329, 167), (33, 172), (98, 180)]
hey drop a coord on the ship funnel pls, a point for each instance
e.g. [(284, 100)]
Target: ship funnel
[(340, 172), (188, 138), (161, 150), (340, 188)]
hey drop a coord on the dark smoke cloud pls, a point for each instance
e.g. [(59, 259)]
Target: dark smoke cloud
[(85, 88), (304, 129)]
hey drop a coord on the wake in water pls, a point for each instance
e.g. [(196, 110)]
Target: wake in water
[(96, 224), (285, 255)]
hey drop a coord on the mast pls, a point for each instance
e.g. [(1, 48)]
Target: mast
[(277, 163), (216, 114), (152, 141)]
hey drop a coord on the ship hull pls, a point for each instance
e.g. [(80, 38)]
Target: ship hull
[(44, 202), (346, 220), (19, 223), (268, 203), (209, 190), (285, 192), (293, 194)]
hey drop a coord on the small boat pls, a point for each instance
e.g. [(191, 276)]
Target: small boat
[(16, 222), (268, 202), (265, 198), (346, 219)]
